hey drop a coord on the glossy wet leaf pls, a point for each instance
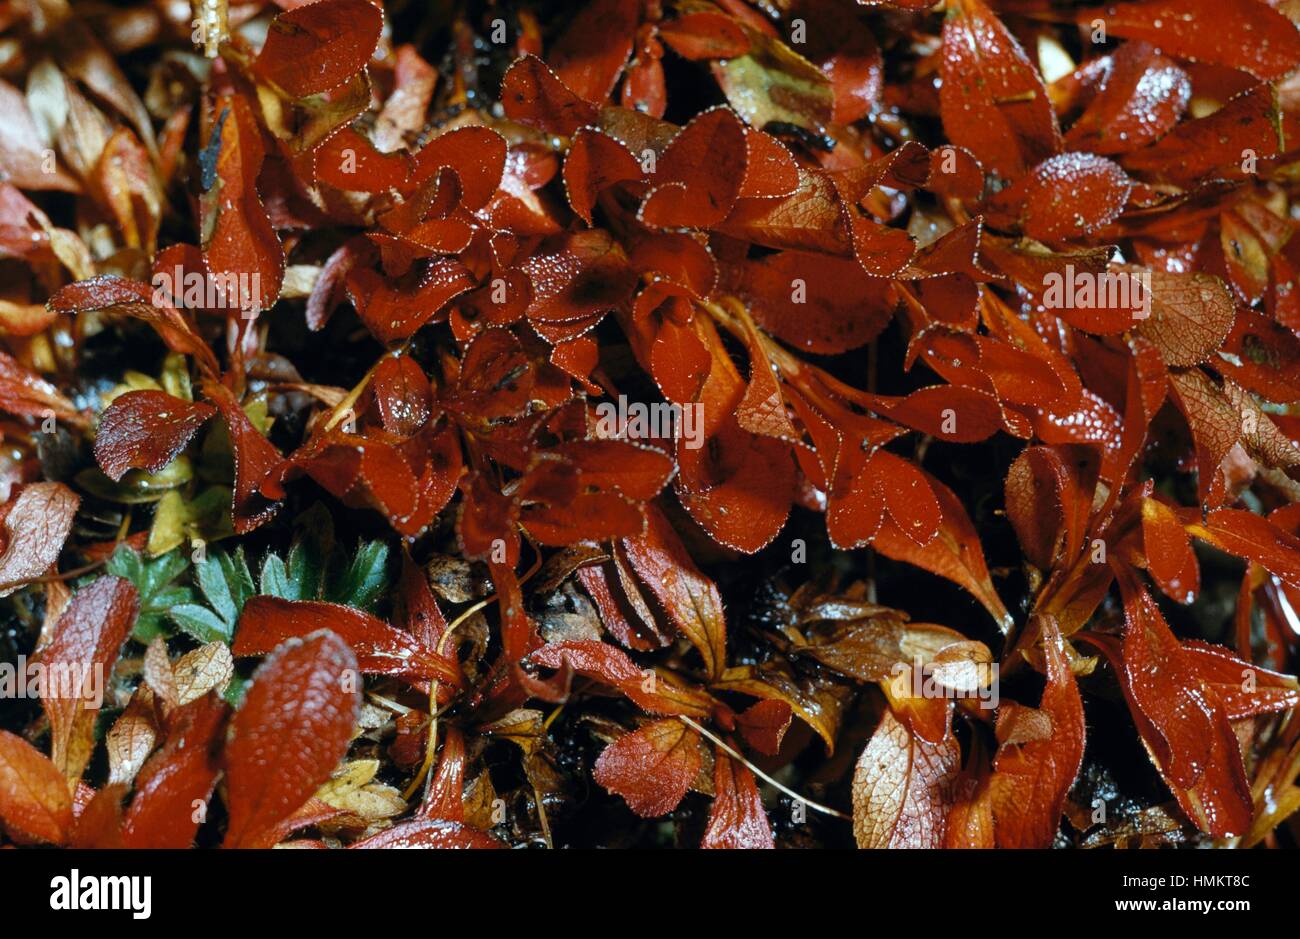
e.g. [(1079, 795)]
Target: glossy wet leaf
[(290, 732)]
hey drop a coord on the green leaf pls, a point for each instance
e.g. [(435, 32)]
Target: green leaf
[(234, 693), (365, 579), (127, 563), (148, 626), (238, 578), (226, 584), (216, 589), (274, 579), (306, 569), (154, 580), (202, 623), (310, 553)]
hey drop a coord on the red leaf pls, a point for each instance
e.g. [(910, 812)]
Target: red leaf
[(181, 774), (1049, 497), (429, 834), (99, 824), (809, 219), (956, 413), (610, 665), (1170, 560), (34, 798), (532, 94), (1146, 385), (954, 553), (130, 298), (1072, 195), (1241, 34), (992, 99), (146, 430), (290, 734), (1141, 98), (254, 458), (349, 161), (395, 310), (1191, 314), (380, 649), (595, 162), (445, 795), (363, 471), (652, 767), (690, 599), (1245, 690), (319, 46), (643, 88), (634, 470), (817, 303), (477, 155), (25, 393), (577, 275), (763, 725), (1182, 722), (970, 820), (596, 516), (770, 171), (737, 485), (705, 36), (37, 522), (1216, 144), (591, 52), (244, 258), (414, 607), (403, 395), (907, 495), (1032, 776), (700, 175), (1255, 538), (736, 818), (85, 644)]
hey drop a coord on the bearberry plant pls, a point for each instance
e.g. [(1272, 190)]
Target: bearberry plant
[(633, 423)]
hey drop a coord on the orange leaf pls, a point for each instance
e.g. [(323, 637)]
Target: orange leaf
[(34, 797), (610, 665), (1170, 560), (430, 834), (992, 99), (903, 788), (319, 46), (736, 818), (1245, 34), (651, 767), (85, 645), (690, 599), (1031, 777), (1182, 722)]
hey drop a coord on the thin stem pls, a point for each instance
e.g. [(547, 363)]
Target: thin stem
[(817, 806), (432, 748), (340, 410), (541, 817), (430, 751), (388, 703), (51, 578)]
